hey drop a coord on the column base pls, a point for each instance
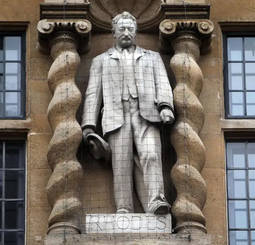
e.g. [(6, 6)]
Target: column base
[(190, 227), (63, 228)]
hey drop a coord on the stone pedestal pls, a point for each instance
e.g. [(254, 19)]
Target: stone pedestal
[(128, 223)]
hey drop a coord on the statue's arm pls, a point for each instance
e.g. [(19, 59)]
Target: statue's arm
[(93, 96), (164, 94)]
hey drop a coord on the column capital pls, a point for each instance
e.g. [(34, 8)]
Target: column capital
[(67, 21), (186, 19), (200, 29), (172, 28)]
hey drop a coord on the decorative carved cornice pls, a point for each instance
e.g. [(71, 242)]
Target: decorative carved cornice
[(68, 20), (185, 11), (64, 11), (79, 30), (201, 29), (147, 13)]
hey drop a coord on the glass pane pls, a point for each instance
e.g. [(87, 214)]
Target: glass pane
[(237, 214), (236, 103), (249, 45), (1, 155), (1, 76), (236, 155), (253, 238), (252, 214), (1, 82), (238, 237), (1, 52), (14, 184), (1, 185), (14, 238), (250, 100), (235, 76), (236, 184), (12, 68), (14, 215), (250, 76), (12, 104), (14, 155), (250, 110), (251, 155), (12, 48), (251, 183), (250, 97), (10, 238), (1, 104), (235, 47), (12, 82), (1, 203)]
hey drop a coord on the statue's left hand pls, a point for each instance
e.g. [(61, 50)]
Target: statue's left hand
[(167, 115)]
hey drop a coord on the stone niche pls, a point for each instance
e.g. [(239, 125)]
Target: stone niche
[(93, 213), (97, 186)]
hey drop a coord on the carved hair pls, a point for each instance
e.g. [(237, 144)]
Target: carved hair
[(123, 15)]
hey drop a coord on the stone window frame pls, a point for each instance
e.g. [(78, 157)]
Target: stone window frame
[(22, 34), (227, 91), (250, 230), (19, 200)]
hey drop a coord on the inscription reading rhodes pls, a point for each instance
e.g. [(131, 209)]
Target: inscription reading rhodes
[(128, 223)]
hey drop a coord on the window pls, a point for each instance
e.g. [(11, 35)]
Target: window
[(12, 192), (12, 76), (241, 192), (240, 76)]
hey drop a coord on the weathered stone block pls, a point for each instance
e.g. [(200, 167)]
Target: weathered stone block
[(128, 223)]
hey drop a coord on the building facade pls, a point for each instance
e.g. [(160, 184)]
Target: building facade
[(49, 182)]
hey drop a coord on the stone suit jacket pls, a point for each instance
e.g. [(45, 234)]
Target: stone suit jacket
[(105, 87)]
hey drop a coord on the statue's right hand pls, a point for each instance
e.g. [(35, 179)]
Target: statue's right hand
[(85, 134)]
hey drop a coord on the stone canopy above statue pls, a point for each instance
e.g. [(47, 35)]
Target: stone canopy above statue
[(145, 11)]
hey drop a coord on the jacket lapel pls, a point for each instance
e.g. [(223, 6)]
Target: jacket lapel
[(116, 71), (139, 52)]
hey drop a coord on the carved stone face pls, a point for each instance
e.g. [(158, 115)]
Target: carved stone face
[(125, 32)]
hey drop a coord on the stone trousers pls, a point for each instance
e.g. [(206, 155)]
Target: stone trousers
[(142, 161)]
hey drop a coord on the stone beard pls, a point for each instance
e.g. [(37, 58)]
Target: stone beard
[(132, 85)]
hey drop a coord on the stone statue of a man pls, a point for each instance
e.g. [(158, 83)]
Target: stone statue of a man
[(131, 84)]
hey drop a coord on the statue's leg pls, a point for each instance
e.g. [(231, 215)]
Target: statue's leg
[(121, 144), (148, 167)]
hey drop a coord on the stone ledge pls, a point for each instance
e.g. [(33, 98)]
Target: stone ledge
[(129, 239)]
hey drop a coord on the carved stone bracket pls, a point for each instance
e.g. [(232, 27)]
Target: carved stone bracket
[(186, 38), (63, 39)]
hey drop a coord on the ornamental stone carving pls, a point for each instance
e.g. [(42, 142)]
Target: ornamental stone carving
[(186, 38), (63, 39), (147, 12)]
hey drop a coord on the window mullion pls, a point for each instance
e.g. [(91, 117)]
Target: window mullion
[(3, 194), (244, 78), (247, 191)]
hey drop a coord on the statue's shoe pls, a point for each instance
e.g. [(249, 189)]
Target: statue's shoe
[(162, 208), (122, 211)]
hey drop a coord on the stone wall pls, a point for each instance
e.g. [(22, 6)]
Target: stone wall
[(24, 14)]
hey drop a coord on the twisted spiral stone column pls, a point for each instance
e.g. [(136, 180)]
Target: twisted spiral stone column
[(190, 185), (63, 38), (63, 185)]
